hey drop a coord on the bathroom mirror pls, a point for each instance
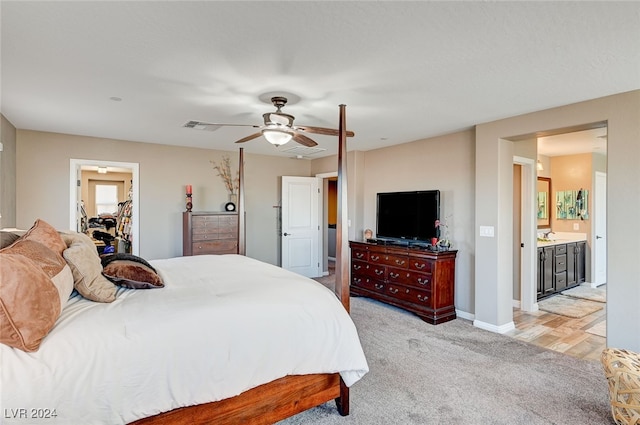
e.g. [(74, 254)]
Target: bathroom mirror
[(544, 202)]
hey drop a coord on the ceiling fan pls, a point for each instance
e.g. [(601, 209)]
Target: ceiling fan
[(278, 127)]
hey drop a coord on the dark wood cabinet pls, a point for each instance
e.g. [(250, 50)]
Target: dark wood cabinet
[(545, 271), (209, 233), (560, 267), (414, 279), (576, 263)]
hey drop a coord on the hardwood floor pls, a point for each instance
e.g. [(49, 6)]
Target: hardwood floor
[(552, 331), (560, 333)]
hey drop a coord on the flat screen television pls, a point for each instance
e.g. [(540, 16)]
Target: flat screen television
[(408, 216)]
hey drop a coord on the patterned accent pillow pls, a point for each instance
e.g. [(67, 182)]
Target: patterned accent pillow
[(130, 271), (33, 276)]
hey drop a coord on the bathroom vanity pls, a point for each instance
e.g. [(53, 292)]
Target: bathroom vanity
[(561, 263)]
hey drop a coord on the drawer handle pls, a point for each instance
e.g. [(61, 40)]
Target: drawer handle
[(375, 257), (394, 275), (561, 262), (379, 272), (357, 267), (400, 262), (393, 290), (378, 285), (357, 280), (423, 299), (420, 266), (423, 282), (359, 255)]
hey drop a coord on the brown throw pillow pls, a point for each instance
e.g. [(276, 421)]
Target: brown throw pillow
[(130, 271), (43, 232), (29, 302), (50, 262)]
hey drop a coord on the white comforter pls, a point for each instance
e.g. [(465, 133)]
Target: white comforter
[(220, 326)]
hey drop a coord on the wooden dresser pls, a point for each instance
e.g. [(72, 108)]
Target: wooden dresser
[(209, 233), (415, 279)]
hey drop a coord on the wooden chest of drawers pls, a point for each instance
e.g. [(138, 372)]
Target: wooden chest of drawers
[(209, 233), (414, 279)]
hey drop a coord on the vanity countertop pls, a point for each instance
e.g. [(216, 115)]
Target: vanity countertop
[(559, 238)]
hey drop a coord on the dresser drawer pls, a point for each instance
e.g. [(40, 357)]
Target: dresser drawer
[(420, 264), (369, 283), (200, 221), (410, 278), (360, 254), (375, 271), (388, 259), (409, 294), (228, 233), (215, 247)]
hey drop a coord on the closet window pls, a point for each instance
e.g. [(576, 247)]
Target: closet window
[(106, 199)]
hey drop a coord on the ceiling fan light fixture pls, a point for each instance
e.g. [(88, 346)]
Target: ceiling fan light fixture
[(276, 136)]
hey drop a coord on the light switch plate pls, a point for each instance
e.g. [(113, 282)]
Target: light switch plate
[(487, 231)]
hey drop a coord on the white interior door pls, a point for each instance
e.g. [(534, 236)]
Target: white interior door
[(300, 226), (600, 230)]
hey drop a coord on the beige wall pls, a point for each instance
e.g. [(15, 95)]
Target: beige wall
[(571, 172), (494, 206), (445, 163), (43, 163), (7, 174)]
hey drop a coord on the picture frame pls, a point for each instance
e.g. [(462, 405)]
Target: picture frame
[(544, 202)]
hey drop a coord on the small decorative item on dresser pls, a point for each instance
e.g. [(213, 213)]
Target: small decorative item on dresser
[(189, 197), (368, 234)]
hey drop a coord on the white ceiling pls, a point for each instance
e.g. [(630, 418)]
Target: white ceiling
[(405, 70)]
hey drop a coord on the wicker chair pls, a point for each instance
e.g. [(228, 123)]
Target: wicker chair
[(622, 369)]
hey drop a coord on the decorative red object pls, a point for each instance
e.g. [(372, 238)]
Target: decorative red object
[(189, 189)]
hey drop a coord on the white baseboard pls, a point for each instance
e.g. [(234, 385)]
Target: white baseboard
[(465, 315), (516, 303), (494, 328)]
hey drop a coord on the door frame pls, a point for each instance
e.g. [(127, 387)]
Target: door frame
[(598, 209), (324, 235), (528, 235), (75, 165)]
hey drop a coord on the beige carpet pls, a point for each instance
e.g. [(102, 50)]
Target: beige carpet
[(600, 329), (587, 293), (569, 306)]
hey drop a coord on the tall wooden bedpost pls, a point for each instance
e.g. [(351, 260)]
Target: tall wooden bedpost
[(342, 237), (342, 228), (242, 248)]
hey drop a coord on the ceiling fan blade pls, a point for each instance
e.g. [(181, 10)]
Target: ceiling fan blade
[(303, 140), (251, 137), (323, 131), (208, 126)]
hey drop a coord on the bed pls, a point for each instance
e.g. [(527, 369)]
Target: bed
[(226, 340)]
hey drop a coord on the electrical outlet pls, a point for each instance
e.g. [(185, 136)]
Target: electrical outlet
[(576, 226)]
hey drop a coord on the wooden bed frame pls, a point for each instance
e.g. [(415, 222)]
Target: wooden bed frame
[(287, 396)]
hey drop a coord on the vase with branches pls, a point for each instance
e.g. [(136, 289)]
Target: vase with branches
[(223, 168)]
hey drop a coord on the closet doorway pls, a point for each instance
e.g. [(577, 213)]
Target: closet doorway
[(129, 191)]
